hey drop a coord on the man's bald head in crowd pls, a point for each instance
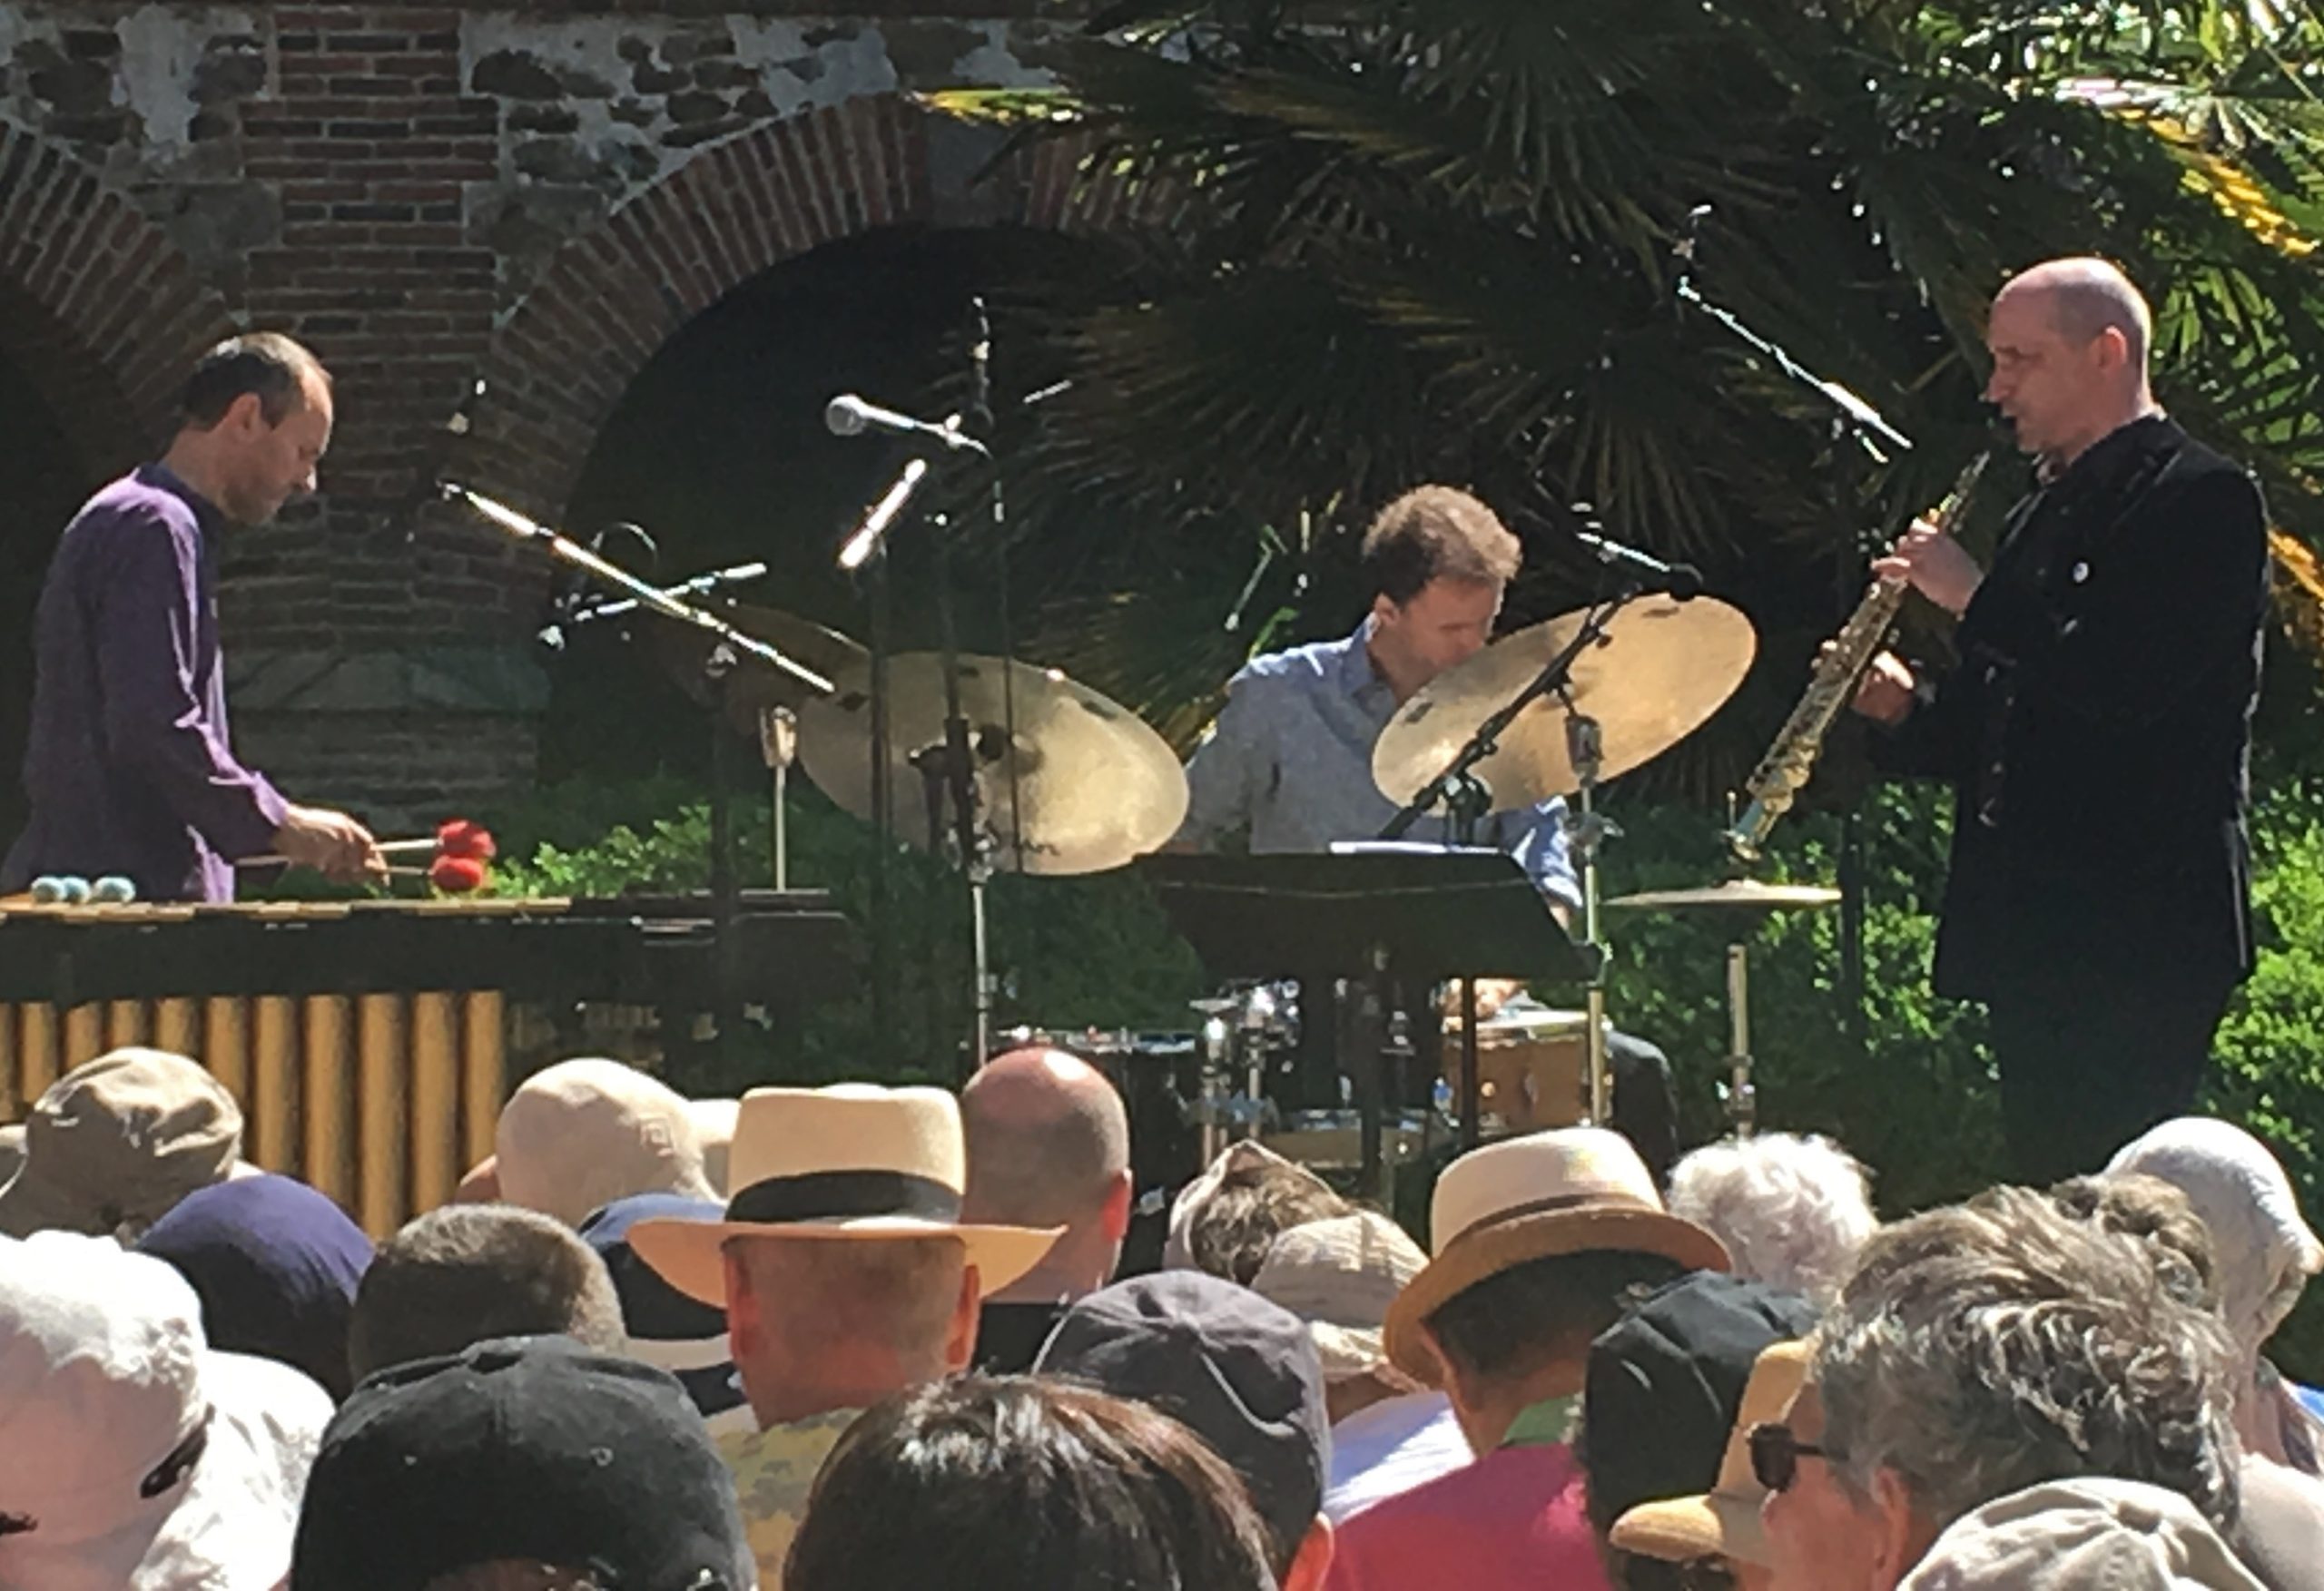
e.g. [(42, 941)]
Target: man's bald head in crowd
[(1048, 1145)]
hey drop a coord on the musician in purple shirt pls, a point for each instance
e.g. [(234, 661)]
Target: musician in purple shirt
[(129, 765)]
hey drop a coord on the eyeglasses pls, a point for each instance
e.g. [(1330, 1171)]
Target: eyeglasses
[(1775, 1454)]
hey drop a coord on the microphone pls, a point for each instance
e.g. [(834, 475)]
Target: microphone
[(849, 415), (1682, 580)]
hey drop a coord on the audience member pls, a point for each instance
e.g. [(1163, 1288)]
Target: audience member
[(2264, 1253), (1224, 1219), (12, 1150), (117, 1141), (1792, 1211), (480, 1184), (662, 1327), (1538, 1242), (845, 1272), (1239, 1372), (1716, 1538), (1389, 1433), (1048, 1145), (470, 1272), (1981, 1349), (1015, 1484), (2281, 1523), (132, 1454), (579, 1134), (2083, 1534), (530, 1457), (1658, 1410), (275, 1265), (714, 1129)]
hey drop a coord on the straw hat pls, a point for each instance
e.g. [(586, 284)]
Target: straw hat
[(1568, 1191), (851, 1162), (1341, 1276), (1725, 1522)]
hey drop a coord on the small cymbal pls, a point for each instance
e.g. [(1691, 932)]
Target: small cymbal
[(681, 649), (1735, 892), (1095, 788), (1663, 667)]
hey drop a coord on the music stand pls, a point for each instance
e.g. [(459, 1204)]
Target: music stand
[(1423, 913)]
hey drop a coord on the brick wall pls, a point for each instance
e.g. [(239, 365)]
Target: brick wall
[(537, 194)]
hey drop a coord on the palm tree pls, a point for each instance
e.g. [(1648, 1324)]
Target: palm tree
[(1434, 238)]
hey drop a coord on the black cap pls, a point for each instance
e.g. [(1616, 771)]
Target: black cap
[(1665, 1382), (531, 1448), (666, 1329), (1239, 1371)]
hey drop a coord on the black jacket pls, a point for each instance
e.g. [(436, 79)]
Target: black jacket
[(2097, 729)]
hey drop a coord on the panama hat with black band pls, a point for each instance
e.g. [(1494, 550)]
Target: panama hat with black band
[(853, 1163)]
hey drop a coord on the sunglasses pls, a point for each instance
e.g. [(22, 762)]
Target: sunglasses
[(1775, 1454)]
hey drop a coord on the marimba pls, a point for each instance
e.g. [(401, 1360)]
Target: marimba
[(369, 1041)]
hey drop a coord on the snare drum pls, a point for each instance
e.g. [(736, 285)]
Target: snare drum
[(1532, 1066)]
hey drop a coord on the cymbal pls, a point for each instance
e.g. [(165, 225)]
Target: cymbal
[(1735, 892), (1663, 667), (753, 685), (1095, 787)]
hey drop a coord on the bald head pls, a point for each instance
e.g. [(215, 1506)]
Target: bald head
[(2086, 299), (1048, 1145), (2069, 341)]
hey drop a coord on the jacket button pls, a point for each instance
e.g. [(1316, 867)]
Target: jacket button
[(2081, 573)]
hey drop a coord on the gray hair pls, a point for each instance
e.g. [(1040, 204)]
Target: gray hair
[(1995, 1345), (1792, 1211)]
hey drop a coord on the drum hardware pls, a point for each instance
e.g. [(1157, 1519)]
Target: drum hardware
[(1740, 1094)]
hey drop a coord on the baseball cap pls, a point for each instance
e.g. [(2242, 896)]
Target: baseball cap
[(523, 1448), (133, 1456), (1242, 1373), (115, 1142), (2088, 1534), (1664, 1383), (1340, 1276)]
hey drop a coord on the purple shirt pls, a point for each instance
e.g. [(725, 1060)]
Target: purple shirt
[(128, 764)]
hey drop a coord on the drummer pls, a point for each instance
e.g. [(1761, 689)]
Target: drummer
[(1289, 762), (1287, 767)]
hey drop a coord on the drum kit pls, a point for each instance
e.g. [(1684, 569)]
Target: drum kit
[(1066, 782)]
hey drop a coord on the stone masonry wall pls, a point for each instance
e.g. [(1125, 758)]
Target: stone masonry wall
[(539, 194)]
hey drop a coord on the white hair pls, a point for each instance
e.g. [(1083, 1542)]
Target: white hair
[(1792, 1211)]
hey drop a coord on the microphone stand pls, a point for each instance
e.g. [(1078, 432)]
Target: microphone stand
[(729, 647)]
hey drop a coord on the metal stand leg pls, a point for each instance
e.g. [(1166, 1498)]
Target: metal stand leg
[(1586, 746), (1742, 1098), (1472, 1106)]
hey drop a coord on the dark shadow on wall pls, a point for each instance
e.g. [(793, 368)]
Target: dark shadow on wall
[(719, 449)]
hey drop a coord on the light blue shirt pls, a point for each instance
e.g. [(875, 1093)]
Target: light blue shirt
[(1290, 761)]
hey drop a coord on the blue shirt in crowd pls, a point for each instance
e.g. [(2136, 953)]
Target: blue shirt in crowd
[(1290, 763), (128, 764)]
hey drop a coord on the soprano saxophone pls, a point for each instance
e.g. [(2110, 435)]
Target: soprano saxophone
[(1776, 781)]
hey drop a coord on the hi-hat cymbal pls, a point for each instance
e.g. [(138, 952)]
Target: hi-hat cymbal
[(1095, 788), (681, 649), (1735, 892), (1662, 668)]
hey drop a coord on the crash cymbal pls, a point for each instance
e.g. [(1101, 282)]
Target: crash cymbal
[(1661, 669), (1735, 892), (1095, 787), (680, 648)]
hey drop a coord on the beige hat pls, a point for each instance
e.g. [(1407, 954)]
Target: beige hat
[(713, 1124), (853, 1162), (118, 1141), (2075, 1535), (1567, 1190), (579, 1134), (1340, 1276), (1726, 1522)]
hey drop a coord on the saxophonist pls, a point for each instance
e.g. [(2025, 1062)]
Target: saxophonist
[(2096, 731)]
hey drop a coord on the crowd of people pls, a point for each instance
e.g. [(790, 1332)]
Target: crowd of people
[(870, 1339)]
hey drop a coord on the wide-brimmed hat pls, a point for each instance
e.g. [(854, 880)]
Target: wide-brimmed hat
[(851, 1162), (115, 1142), (1341, 1276), (1725, 1521), (1568, 1191), (132, 1457)]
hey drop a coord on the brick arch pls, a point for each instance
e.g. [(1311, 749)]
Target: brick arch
[(97, 304), (612, 297)]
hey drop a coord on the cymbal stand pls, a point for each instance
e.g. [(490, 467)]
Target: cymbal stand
[(1742, 1097), (1587, 831)]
